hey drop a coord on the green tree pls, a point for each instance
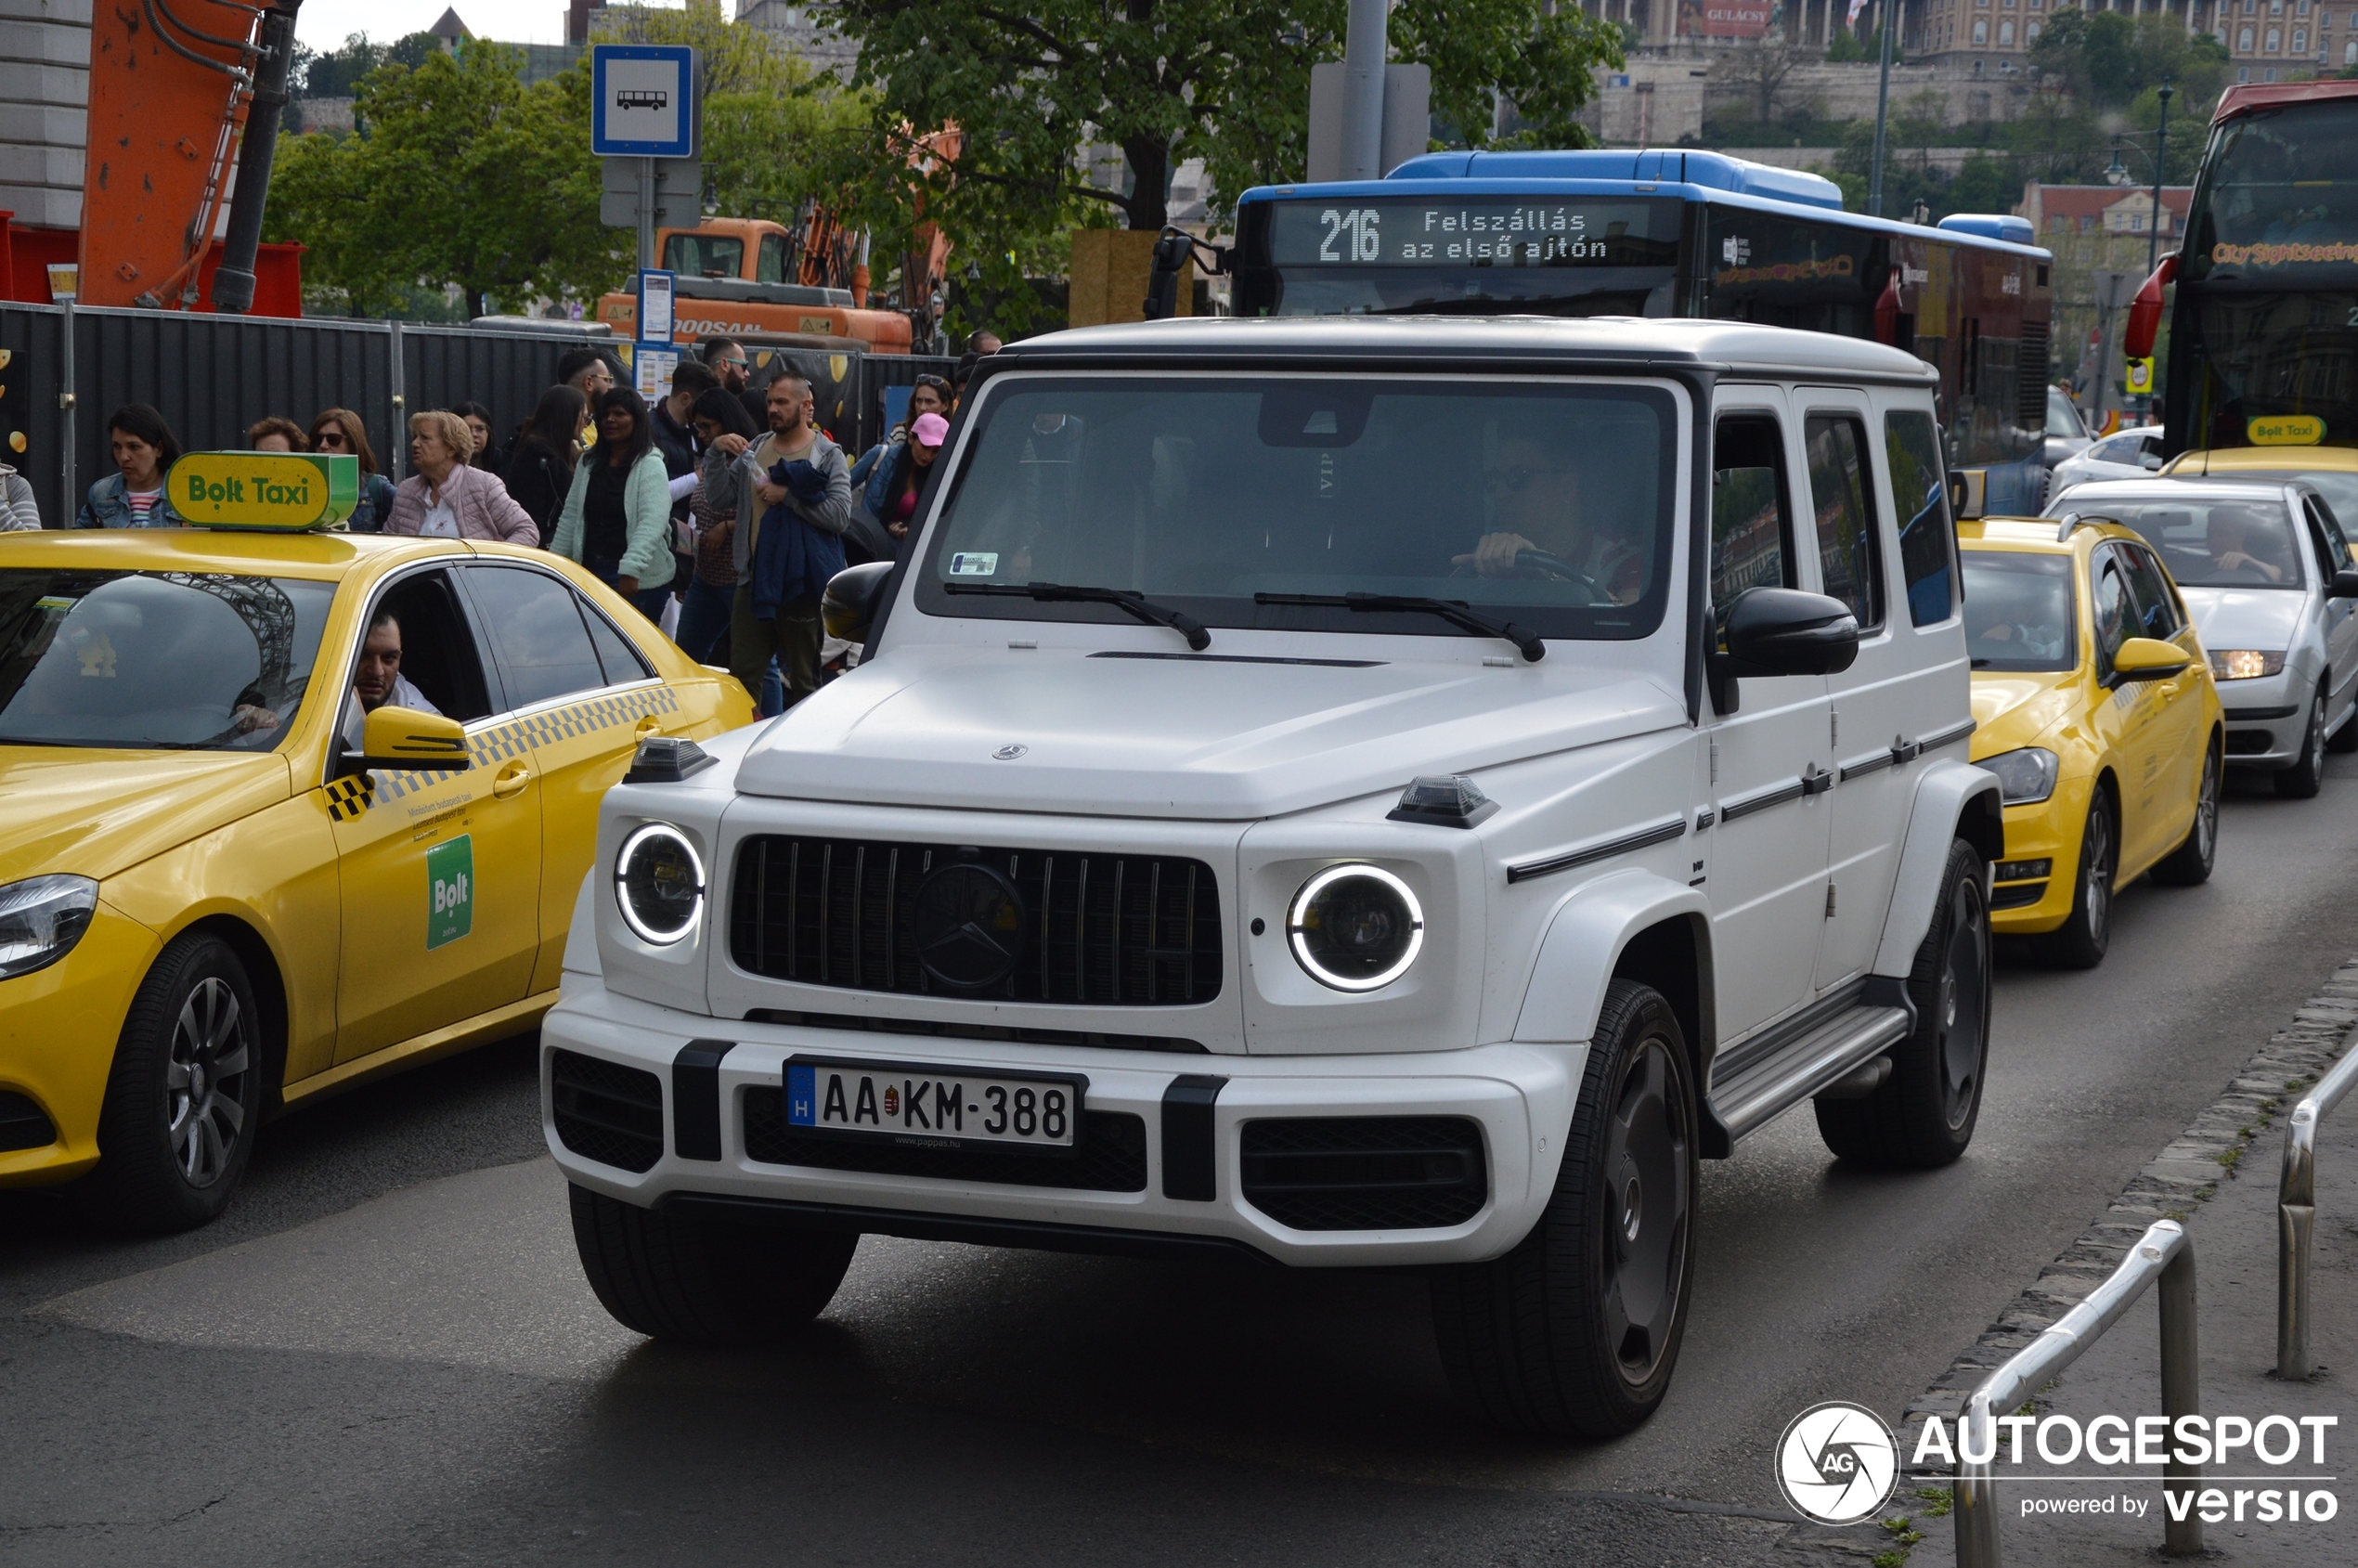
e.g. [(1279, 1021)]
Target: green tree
[(465, 177)]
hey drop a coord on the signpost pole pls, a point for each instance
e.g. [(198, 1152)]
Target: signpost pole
[(646, 213), (1882, 112)]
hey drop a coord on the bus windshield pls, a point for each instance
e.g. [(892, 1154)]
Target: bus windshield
[(2279, 196), (2253, 355)]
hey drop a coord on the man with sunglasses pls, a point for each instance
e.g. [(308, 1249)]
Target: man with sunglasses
[(1538, 530), (726, 358)]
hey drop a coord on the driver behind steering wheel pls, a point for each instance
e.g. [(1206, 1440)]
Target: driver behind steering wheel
[(1536, 511)]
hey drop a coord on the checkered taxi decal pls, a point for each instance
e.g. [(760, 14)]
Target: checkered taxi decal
[(348, 797)]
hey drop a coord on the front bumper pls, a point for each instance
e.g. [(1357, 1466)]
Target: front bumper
[(1519, 1097), (2266, 719), (58, 1031), (2048, 830)]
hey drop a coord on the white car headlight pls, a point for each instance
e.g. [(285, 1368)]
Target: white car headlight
[(41, 918), (1355, 927), (2024, 777), (658, 883), (2245, 663)]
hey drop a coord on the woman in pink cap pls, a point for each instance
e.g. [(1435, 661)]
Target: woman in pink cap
[(893, 484)]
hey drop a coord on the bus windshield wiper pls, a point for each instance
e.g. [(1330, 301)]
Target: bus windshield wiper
[(1122, 599), (1456, 612)]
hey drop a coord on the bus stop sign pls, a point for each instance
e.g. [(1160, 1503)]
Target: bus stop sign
[(645, 98)]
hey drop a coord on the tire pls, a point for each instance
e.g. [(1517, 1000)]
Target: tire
[(1576, 1332), (697, 1279), (184, 1094), (2081, 941), (1923, 1115), (2304, 778), (2189, 864)]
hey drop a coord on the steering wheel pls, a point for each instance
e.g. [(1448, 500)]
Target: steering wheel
[(1554, 567)]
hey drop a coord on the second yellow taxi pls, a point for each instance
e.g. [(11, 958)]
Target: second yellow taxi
[(282, 812), (2096, 709)]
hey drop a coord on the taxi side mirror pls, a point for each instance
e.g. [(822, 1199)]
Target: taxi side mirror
[(403, 738), (2148, 659)]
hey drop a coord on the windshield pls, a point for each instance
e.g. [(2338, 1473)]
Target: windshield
[(2018, 612), (2276, 356), (146, 660), (705, 255), (2129, 446), (1547, 499), (2242, 543), (1464, 254), (2279, 196), (2338, 487)]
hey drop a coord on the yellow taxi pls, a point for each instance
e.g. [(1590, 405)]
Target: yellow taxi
[(2094, 706), (282, 812)]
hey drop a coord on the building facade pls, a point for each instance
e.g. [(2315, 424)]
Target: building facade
[(2097, 228)]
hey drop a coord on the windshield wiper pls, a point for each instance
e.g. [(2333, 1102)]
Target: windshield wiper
[(1456, 612), (1121, 599)]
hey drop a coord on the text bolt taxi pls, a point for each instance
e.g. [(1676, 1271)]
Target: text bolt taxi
[(2095, 710), (210, 906)]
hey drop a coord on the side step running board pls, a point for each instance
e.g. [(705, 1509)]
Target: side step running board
[(1759, 1092)]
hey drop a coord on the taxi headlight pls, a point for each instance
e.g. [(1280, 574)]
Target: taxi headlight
[(41, 919), (1355, 927), (2245, 663), (658, 881), (2024, 777)]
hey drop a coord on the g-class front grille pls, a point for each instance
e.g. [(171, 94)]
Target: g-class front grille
[(995, 925)]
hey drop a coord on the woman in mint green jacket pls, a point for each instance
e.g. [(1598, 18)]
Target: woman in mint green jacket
[(617, 517)]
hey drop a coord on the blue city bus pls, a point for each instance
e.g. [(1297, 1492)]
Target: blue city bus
[(1671, 233)]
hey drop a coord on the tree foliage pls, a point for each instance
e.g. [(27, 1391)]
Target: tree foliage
[(463, 176)]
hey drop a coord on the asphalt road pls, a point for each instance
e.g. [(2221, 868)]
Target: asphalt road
[(384, 1350)]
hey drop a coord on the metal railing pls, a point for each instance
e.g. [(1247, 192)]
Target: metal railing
[(2163, 1254), (2297, 1216)]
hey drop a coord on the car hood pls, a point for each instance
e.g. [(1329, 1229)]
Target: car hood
[(2014, 710), (95, 813), (2265, 618), (1214, 738)]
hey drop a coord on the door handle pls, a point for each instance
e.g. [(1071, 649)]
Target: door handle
[(511, 781), (650, 725)]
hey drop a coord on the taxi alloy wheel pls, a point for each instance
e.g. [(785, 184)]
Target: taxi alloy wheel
[(1576, 1332), (2190, 863), (185, 1095), (2081, 941), (2305, 777)]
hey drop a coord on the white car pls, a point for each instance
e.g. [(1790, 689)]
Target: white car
[(2266, 573), (2066, 432), (2126, 454), (1350, 792)]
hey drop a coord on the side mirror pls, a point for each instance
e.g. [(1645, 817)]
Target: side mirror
[(1968, 494), (2150, 463), (2149, 659), (853, 599), (2344, 586), (1785, 632), (403, 738)]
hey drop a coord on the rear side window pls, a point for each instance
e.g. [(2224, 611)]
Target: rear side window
[(1839, 486), (1751, 524), (1927, 539), (537, 635), (621, 660)]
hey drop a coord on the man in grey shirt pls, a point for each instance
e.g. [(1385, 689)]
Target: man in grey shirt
[(794, 634)]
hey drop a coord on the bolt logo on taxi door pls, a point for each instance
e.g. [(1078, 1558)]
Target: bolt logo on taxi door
[(450, 891)]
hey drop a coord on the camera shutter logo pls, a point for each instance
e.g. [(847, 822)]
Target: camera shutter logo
[(1837, 1463)]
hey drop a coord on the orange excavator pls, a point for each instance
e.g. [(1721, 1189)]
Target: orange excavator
[(184, 101)]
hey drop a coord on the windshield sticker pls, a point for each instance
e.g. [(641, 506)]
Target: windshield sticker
[(2224, 254), (450, 891), (2286, 430), (56, 601), (975, 564)]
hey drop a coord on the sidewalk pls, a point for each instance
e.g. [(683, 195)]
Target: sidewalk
[(2233, 1236)]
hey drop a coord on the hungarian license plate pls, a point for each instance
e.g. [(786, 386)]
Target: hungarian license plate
[(938, 1106)]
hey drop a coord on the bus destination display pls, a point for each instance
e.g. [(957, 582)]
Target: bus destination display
[(1503, 231)]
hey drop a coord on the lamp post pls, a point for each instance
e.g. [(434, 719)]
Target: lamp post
[(1882, 111), (2162, 166)]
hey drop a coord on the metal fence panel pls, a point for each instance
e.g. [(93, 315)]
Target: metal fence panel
[(504, 371)]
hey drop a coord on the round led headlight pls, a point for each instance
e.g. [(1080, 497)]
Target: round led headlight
[(658, 881), (1355, 927)]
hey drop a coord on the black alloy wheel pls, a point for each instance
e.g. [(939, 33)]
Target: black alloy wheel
[(1923, 1115), (1575, 1332)]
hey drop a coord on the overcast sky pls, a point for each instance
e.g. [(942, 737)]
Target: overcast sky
[(324, 24)]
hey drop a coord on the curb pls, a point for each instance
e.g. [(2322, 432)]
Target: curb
[(2182, 1177)]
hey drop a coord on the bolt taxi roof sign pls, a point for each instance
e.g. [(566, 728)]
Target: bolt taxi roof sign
[(645, 98), (269, 492)]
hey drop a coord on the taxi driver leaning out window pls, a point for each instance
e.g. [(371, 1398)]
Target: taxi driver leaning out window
[(1538, 527), (376, 682)]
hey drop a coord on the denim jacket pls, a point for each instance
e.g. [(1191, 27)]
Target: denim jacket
[(107, 508)]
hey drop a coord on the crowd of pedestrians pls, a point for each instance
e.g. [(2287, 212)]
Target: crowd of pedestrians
[(720, 512)]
